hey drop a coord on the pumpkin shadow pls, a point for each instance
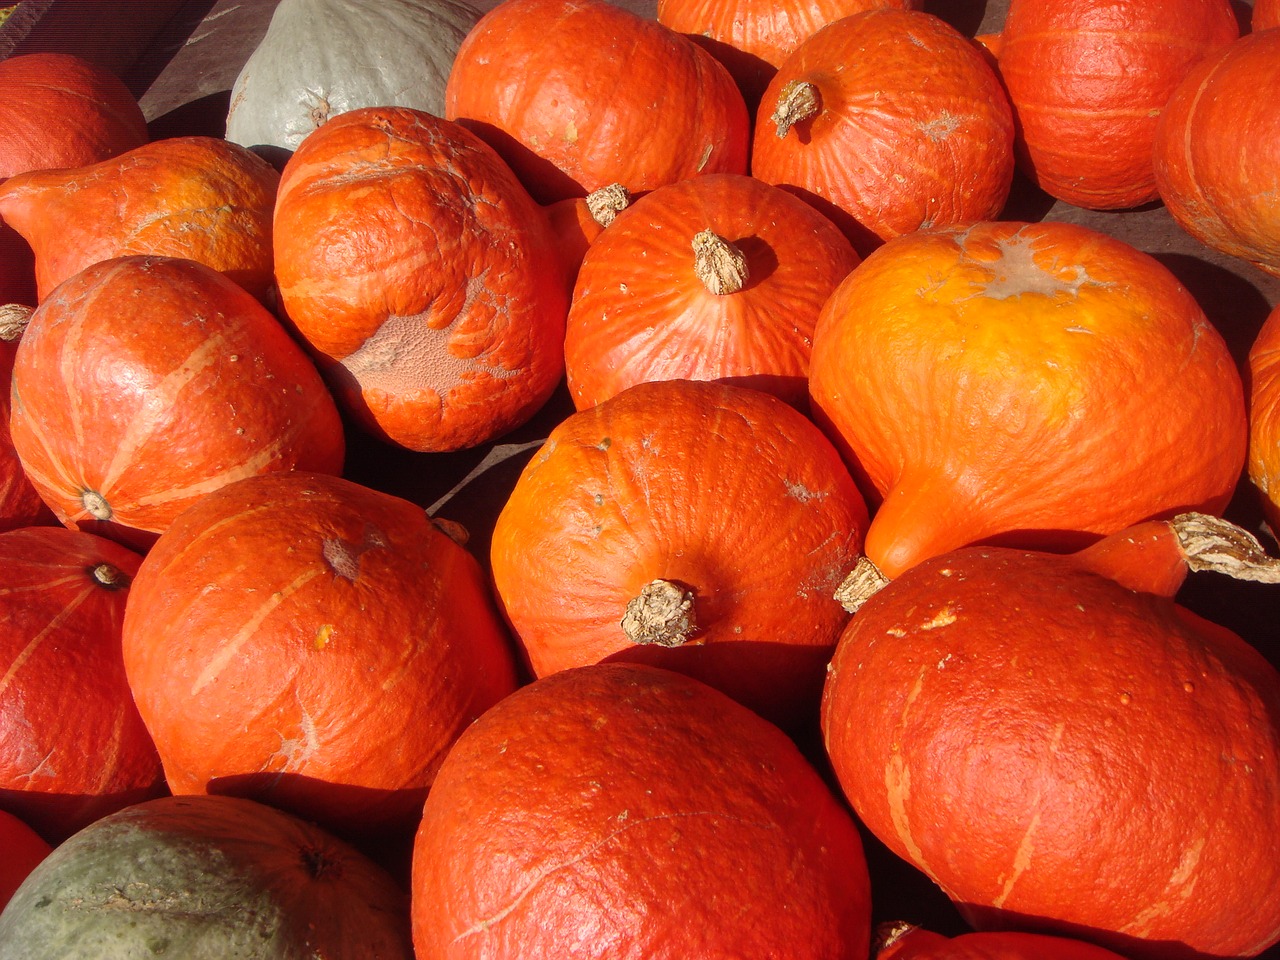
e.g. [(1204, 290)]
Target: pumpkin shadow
[(56, 816), (205, 116), (545, 181), (1233, 304), (967, 16)]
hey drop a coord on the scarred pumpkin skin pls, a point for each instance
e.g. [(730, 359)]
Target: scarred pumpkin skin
[(308, 642), (916, 943), (422, 276), (657, 299), (72, 745), (1044, 384), (23, 849), (196, 197), (721, 491), (909, 126), (578, 94), (1088, 80), (997, 716), (628, 812), (143, 383), (1263, 466), (1217, 151)]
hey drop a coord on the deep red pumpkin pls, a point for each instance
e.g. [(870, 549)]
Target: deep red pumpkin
[(23, 849), (20, 504), (1265, 15)]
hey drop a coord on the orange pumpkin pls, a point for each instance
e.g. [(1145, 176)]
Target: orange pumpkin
[(576, 222), (1064, 755), (578, 94), (143, 383), (201, 198), (718, 277), (1265, 15), (1041, 384), (422, 276), (313, 644), (694, 525), (888, 121), (20, 504), (909, 942), (1264, 417), (1088, 80), (619, 810)]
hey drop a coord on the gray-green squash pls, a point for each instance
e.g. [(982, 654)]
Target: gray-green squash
[(319, 58)]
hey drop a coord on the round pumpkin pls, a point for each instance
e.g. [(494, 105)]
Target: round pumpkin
[(718, 277), (1088, 80), (23, 849), (143, 383), (1042, 384), (887, 121), (1264, 15), (626, 811), (196, 197), (909, 942), (311, 643), (1217, 151), (204, 878), (1263, 467), (578, 94), (72, 746), (694, 525), (422, 276), (1064, 755)]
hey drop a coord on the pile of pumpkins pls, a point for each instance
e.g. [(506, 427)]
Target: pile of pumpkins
[(866, 523)]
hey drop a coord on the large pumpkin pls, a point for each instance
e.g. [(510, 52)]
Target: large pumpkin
[(623, 811), (1062, 754), (1263, 466), (1041, 383), (694, 525), (423, 277), (887, 121), (718, 277), (205, 878), (1088, 80), (1217, 151), (578, 94), (311, 643), (143, 383), (72, 746)]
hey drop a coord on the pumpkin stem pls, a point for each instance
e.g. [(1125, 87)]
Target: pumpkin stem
[(96, 504), (798, 100), (661, 614), (1211, 543), (607, 202), (863, 581), (718, 263), (888, 933), (109, 576), (13, 320)]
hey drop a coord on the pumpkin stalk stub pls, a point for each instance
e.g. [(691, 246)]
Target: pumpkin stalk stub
[(110, 577), (1211, 543), (864, 580), (13, 320), (607, 202), (799, 100), (662, 613), (96, 504), (718, 263)]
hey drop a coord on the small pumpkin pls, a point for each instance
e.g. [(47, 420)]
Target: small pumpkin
[(23, 849), (1088, 80), (576, 222), (422, 276), (578, 94), (1217, 151), (143, 383), (905, 941), (887, 121), (1263, 467), (695, 525), (718, 277), (197, 197), (1038, 384), (72, 745), (206, 877), (620, 810)]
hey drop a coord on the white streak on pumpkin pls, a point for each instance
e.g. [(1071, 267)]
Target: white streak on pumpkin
[(33, 644), (897, 782), (1178, 888)]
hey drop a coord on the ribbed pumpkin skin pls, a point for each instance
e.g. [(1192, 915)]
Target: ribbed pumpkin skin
[(195, 197), (311, 643), (627, 812), (914, 128), (206, 878), (1088, 80), (143, 383), (578, 94), (72, 746), (1263, 466), (23, 849), (423, 276), (1000, 717), (1043, 383), (920, 944), (1265, 15), (723, 490), (640, 311), (1217, 151)]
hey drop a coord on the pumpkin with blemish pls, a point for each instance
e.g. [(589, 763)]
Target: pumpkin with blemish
[(143, 383), (1042, 385), (308, 642), (887, 121), (422, 276), (626, 812), (1061, 754), (694, 525)]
